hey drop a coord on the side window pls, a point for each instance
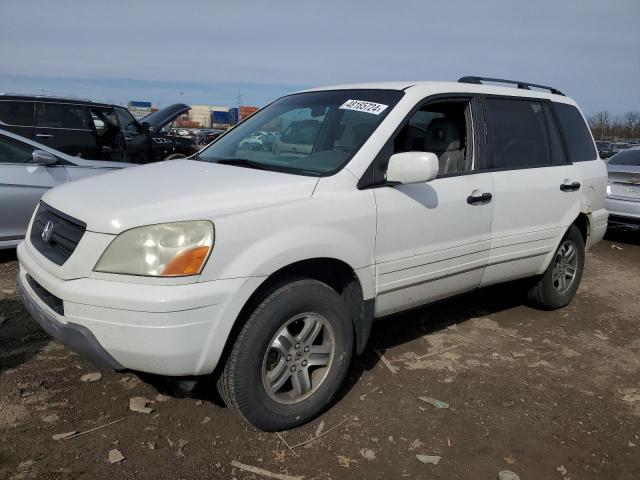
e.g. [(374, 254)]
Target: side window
[(517, 133), (60, 115), (16, 113), (576, 133), (558, 156), (12, 151), (442, 128), (126, 120)]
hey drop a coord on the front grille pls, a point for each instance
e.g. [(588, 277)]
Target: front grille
[(54, 234), (48, 298)]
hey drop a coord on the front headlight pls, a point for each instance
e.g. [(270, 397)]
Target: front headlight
[(162, 250)]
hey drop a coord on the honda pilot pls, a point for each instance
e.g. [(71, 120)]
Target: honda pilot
[(263, 269)]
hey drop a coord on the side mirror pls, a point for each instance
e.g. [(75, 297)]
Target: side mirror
[(145, 127), (41, 157), (412, 167)]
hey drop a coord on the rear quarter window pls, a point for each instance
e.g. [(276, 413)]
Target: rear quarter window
[(576, 133)]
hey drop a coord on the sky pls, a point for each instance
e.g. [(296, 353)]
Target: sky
[(209, 52)]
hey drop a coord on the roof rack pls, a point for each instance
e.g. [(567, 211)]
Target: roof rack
[(522, 85)]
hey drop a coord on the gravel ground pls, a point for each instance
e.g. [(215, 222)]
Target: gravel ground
[(547, 395)]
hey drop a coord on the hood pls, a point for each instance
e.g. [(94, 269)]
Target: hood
[(165, 116), (172, 191)]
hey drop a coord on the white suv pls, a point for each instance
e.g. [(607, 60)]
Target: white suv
[(267, 268)]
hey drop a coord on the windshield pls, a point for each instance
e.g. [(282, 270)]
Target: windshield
[(626, 157), (313, 133)]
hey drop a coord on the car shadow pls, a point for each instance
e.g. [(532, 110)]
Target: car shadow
[(620, 234), (395, 330), (20, 336), (8, 255)]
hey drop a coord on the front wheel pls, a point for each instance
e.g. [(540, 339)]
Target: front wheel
[(290, 357), (559, 283)]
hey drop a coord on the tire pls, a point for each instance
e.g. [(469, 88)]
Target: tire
[(550, 292), (173, 156), (251, 375)]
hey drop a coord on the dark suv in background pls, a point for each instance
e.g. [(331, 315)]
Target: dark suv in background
[(94, 130)]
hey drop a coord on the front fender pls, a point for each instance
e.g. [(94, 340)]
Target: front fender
[(260, 242)]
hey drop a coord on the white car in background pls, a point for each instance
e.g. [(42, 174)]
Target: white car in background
[(266, 269)]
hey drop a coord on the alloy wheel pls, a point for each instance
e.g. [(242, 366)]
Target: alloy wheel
[(298, 358), (565, 266)]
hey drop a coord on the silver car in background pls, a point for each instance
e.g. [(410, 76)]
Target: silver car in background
[(27, 170), (623, 190)]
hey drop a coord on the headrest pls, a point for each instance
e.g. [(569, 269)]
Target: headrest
[(443, 134)]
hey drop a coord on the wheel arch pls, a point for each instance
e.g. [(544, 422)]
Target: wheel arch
[(334, 272), (583, 223)]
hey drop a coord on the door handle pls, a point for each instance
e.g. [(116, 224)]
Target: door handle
[(484, 198), (570, 187), (44, 135)]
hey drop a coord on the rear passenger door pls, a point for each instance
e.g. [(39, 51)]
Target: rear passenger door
[(66, 127), (537, 189)]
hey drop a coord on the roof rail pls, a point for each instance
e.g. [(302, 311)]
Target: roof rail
[(522, 85)]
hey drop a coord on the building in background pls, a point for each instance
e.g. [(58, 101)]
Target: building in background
[(211, 116), (246, 112), (205, 116), (234, 116), (220, 117), (140, 109)]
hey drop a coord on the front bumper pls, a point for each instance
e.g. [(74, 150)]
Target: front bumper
[(174, 330), (76, 337)]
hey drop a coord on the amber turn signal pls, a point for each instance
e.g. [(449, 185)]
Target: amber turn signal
[(188, 262)]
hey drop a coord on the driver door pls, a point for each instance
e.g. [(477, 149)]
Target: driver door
[(433, 239), (110, 139), (136, 142)]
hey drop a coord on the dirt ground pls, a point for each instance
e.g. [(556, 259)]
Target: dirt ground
[(547, 395)]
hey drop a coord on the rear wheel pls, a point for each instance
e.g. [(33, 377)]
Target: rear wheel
[(290, 357), (559, 283)]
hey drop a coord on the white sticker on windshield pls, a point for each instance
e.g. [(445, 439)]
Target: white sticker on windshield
[(362, 106)]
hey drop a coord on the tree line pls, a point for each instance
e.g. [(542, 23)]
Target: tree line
[(615, 127)]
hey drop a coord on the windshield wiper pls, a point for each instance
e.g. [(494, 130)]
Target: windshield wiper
[(243, 162)]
